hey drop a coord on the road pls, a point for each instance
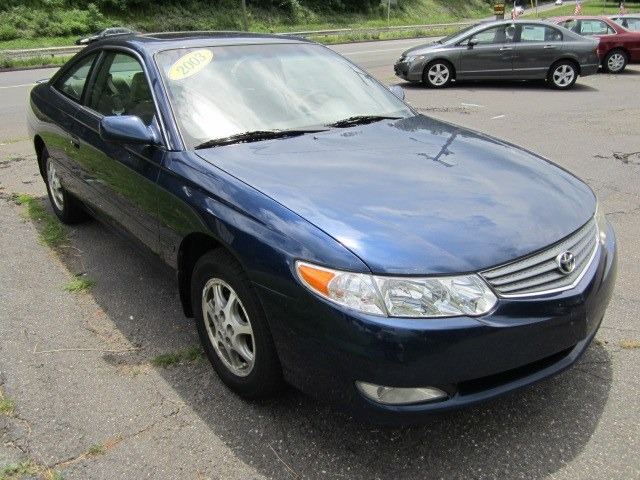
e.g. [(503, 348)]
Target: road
[(180, 422)]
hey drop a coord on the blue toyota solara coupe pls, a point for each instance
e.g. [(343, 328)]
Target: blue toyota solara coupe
[(323, 233)]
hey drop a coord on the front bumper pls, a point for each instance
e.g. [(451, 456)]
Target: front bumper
[(410, 71), (324, 350)]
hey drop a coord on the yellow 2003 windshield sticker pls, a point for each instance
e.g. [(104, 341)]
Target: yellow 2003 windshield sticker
[(190, 64)]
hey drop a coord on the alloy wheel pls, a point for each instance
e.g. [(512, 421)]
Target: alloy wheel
[(57, 193), (564, 75), (616, 62), (438, 74), (228, 327)]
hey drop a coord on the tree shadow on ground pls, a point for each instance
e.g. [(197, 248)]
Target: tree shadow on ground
[(529, 434)]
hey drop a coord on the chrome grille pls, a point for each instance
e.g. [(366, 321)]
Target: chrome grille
[(539, 273)]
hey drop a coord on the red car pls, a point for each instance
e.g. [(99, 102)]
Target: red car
[(618, 46)]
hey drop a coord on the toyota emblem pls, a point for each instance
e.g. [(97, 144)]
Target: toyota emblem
[(566, 262)]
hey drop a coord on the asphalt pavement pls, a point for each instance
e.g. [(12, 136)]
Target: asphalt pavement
[(90, 404)]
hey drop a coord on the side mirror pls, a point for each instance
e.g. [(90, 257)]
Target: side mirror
[(127, 129), (397, 90), (472, 42)]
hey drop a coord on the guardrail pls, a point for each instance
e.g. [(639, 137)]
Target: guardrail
[(39, 52), (347, 31), (71, 50)]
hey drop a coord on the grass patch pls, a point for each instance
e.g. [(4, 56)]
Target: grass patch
[(52, 232), (630, 344), (19, 43), (7, 407), (79, 284), (96, 449), (11, 158), (389, 35), (12, 140), (191, 354), (591, 7), (30, 468), (165, 360), (42, 61), (22, 468)]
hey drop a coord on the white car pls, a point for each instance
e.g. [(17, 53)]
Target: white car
[(558, 2)]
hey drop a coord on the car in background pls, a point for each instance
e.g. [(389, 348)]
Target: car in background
[(105, 32), (558, 2), (502, 50), (630, 21), (320, 230), (618, 46)]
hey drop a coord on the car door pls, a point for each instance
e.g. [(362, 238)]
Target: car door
[(536, 49), (60, 110), (488, 54), (122, 176)]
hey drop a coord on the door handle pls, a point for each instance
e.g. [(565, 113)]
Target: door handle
[(506, 49), (549, 46), (75, 142)]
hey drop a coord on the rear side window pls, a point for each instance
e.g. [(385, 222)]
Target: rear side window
[(595, 27), (540, 33), (73, 82), (571, 25)]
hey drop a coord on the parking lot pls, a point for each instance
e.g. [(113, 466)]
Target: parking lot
[(89, 403)]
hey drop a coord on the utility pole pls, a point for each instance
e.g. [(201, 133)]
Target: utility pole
[(245, 19)]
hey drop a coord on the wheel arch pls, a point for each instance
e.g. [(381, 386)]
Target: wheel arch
[(192, 247), (619, 47), (39, 146), (575, 63)]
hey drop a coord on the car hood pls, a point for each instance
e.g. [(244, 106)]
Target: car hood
[(428, 47), (416, 196)]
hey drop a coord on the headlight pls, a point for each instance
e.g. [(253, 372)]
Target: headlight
[(601, 221), (414, 58), (429, 297)]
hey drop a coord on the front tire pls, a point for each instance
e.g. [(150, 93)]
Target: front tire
[(233, 328), (615, 61), (437, 74), (66, 207), (562, 75)]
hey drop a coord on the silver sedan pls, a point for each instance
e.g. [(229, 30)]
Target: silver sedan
[(506, 49)]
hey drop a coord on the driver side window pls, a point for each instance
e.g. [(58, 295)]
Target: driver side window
[(121, 88), (492, 35)]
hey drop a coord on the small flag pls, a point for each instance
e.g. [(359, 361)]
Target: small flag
[(578, 10)]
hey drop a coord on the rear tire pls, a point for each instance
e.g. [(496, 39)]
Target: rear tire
[(233, 327), (66, 207), (562, 75), (615, 61), (437, 74)]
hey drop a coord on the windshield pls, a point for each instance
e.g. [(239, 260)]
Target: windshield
[(224, 91), (457, 34)]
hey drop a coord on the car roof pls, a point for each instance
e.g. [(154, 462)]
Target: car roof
[(580, 17), (154, 42), (515, 21)]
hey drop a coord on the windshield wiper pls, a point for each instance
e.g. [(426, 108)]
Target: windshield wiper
[(255, 136), (361, 120)]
